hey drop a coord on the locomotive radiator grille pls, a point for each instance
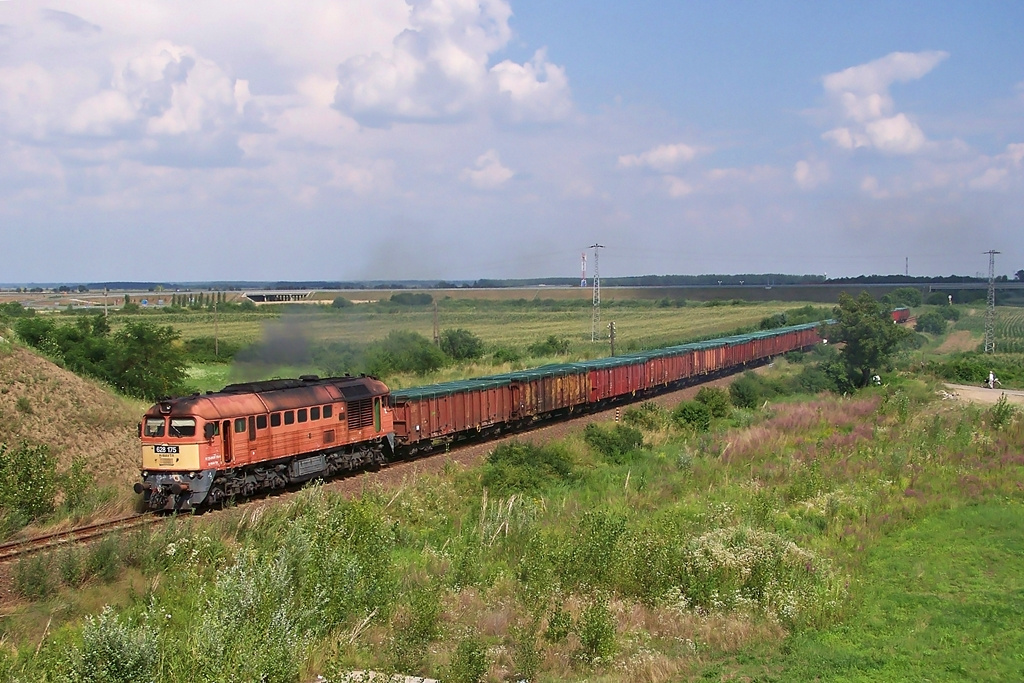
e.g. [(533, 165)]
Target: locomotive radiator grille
[(360, 413)]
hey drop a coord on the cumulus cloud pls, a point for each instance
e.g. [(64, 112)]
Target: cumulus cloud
[(809, 174), (437, 70), (664, 158), (860, 96), (999, 169), (488, 173)]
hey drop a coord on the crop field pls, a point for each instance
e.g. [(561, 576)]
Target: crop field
[(1009, 330), (515, 323)]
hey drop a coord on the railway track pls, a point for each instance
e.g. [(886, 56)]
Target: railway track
[(16, 549)]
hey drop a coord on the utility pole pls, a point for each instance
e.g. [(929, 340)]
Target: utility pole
[(583, 269), (611, 335), (990, 310), (595, 321), (216, 328), (437, 337)]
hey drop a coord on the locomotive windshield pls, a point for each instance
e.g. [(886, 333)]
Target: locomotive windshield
[(154, 426), (181, 426)]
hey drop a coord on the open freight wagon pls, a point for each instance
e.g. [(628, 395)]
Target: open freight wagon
[(438, 413)]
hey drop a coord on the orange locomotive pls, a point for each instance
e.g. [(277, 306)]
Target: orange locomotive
[(198, 450)]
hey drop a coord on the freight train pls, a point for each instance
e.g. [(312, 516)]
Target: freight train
[(200, 450)]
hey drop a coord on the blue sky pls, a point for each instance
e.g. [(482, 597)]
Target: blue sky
[(457, 139)]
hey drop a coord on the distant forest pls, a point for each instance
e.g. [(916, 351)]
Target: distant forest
[(706, 280)]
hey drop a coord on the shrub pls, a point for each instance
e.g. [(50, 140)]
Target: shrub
[(717, 400), (113, 652), (33, 577), (461, 344), (694, 415), (931, 322), (403, 352), (341, 302), (28, 481), (559, 625), (904, 296), (597, 633), (618, 444), (469, 662), (412, 299), (504, 354), (648, 415), (552, 346), (745, 392), (523, 467)]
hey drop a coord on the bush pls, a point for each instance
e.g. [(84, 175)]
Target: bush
[(552, 346), (648, 415), (113, 652), (517, 466), (412, 299), (34, 577), (461, 344), (28, 483), (403, 352), (694, 415), (904, 296), (469, 662), (717, 400), (618, 444), (597, 633), (930, 322), (504, 354), (341, 302)]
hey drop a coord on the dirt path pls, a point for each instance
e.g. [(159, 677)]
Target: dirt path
[(961, 340), (966, 392)]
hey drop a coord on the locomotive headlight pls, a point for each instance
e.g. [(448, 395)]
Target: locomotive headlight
[(145, 474)]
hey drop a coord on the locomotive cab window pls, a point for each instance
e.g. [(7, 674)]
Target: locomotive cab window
[(261, 422), (182, 426), (275, 419), (289, 417), (239, 425), (302, 414), (327, 412), (314, 413), (154, 426)]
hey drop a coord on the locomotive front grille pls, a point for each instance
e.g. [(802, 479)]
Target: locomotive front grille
[(166, 460)]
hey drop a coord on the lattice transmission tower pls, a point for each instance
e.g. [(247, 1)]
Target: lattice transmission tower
[(595, 322), (990, 309)]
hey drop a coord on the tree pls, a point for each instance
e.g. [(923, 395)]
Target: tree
[(1019, 275), (931, 322), (461, 344), (869, 335), (148, 361)]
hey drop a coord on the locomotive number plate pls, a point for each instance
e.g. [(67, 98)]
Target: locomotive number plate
[(165, 450)]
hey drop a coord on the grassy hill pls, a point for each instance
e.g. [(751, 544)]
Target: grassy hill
[(76, 418)]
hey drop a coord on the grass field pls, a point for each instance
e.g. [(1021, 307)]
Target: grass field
[(512, 323)]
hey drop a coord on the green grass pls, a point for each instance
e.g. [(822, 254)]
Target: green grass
[(942, 600)]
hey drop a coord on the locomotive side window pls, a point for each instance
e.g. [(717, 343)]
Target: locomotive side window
[(181, 426), (289, 417), (275, 419), (314, 413), (327, 412), (302, 414), (239, 425), (154, 426), (261, 422)]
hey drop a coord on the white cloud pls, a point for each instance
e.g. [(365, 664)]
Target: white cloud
[(489, 172), (860, 96), (809, 174), (677, 187), (437, 70), (663, 159)]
